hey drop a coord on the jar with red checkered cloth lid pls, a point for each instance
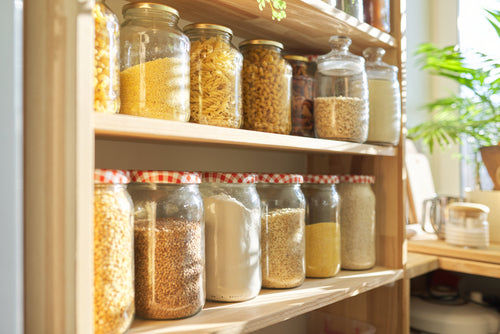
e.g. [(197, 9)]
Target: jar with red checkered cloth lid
[(113, 252), (232, 236), (357, 221), (282, 230), (169, 244), (322, 225)]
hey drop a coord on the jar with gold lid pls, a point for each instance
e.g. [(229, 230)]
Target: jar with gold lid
[(467, 225)]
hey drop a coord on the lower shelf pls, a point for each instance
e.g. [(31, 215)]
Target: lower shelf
[(273, 306)]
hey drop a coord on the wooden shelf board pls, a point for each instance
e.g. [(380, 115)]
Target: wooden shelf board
[(470, 267), (273, 306), (306, 29), (125, 127), (420, 264)]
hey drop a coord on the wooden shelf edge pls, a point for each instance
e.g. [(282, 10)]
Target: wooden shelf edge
[(273, 306), (125, 127), (420, 264)]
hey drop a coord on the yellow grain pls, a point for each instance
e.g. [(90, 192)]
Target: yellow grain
[(322, 249)]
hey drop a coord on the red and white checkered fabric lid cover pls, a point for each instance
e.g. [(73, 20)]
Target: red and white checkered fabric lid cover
[(160, 176), (279, 178), (229, 177), (318, 178), (357, 178), (113, 176)]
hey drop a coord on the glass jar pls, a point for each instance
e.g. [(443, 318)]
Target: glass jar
[(169, 244), (267, 80), (113, 253), (232, 237), (282, 230), (378, 14), (322, 225), (106, 59), (385, 99), (352, 7), (302, 97), (467, 225), (357, 222), (341, 94), (215, 76), (154, 63)]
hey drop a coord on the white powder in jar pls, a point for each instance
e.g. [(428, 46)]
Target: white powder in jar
[(385, 112), (232, 249)]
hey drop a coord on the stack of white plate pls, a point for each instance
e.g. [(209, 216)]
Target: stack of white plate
[(477, 237)]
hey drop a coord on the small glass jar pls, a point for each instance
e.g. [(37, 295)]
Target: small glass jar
[(154, 74), (113, 253), (169, 244), (215, 76), (322, 225), (267, 81), (378, 14), (385, 99), (357, 222), (467, 225), (352, 7), (106, 59), (302, 97), (232, 237), (282, 230), (341, 94)]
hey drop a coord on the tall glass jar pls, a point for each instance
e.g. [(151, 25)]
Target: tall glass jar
[(232, 237), (267, 80), (352, 7), (302, 97), (385, 99), (341, 94), (357, 222), (154, 74), (378, 14), (322, 225), (215, 76), (282, 230), (106, 59), (113, 253), (169, 244)]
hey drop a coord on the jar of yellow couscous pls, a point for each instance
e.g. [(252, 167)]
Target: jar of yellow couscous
[(154, 63)]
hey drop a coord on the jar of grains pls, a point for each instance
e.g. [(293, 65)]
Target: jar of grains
[(215, 76), (113, 253), (169, 244), (282, 230), (322, 225), (357, 221), (106, 59), (341, 94), (385, 99), (154, 63), (232, 236), (302, 97), (267, 80)]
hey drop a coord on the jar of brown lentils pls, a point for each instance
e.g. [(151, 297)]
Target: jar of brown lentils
[(267, 79)]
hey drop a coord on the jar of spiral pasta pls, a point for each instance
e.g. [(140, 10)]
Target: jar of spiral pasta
[(106, 59), (113, 252), (154, 78), (215, 76), (267, 79), (282, 230)]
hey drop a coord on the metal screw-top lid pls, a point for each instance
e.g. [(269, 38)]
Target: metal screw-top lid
[(111, 176), (298, 58), (321, 179), (261, 42), (357, 179), (228, 177), (280, 178), (207, 26), (150, 5), (160, 176)]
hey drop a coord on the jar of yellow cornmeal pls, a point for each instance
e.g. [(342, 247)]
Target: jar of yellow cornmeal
[(322, 225)]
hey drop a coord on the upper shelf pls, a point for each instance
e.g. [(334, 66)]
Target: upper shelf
[(306, 29), (125, 127)]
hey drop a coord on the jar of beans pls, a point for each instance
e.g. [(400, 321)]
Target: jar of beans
[(113, 253), (322, 225), (215, 76), (154, 76), (168, 244), (357, 221), (267, 79), (282, 230)]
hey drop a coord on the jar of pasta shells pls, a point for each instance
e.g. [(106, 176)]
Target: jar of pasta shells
[(113, 253), (106, 59), (282, 230), (168, 244), (215, 76), (154, 77), (267, 79), (341, 94)]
